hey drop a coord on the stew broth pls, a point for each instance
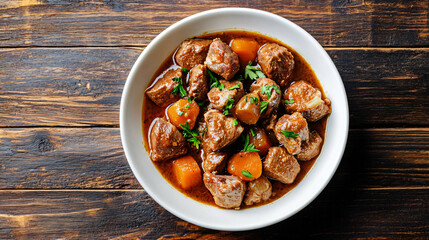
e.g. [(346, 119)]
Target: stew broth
[(150, 111)]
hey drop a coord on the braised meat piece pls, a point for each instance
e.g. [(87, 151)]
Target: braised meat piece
[(214, 162), (161, 93), (311, 148), (219, 98), (280, 165), (166, 142), (222, 60), (276, 62), (258, 190), (192, 52), (304, 98), (198, 86), (227, 191), (291, 130), (268, 91), (221, 131)]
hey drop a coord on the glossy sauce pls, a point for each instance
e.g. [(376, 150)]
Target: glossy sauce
[(302, 71)]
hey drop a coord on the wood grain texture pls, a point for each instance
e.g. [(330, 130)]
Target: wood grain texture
[(69, 87), (113, 23), (83, 86), (75, 158), (336, 213)]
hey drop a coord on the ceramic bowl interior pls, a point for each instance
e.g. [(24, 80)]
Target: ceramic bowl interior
[(215, 21)]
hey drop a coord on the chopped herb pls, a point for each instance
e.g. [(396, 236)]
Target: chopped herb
[(179, 88), (214, 82), (189, 99), (229, 105), (191, 135), (249, 147), (252, 72), (188, 106), (254, 100), (264, 106), (204, 131), (289, 134), (236, 86), (266, 89), (235, 122), (200, 103), (246, 173), (246, 98), (185, 70), (289, 101), (252, 132), (181, 113)]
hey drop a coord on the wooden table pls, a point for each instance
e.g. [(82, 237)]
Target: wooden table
[(63, 173)]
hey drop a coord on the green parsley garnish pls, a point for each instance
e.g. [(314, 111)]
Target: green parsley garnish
[(185, 70), (191, 135), (179, 88), (188, 106), (266, 89), (204, 131), (254, 100), (246, 173), (252, 132), (249, 147), (229, 105), (264, 106), (235, 122), (252, 72), (289, 134), (214, 82), (189, 99), (181, 113), (289, 101), (236, 86)]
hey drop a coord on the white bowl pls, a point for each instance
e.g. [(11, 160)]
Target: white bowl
[(215, 21)]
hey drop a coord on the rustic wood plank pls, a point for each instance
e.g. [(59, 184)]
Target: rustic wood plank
[(112, 23), (69, 87), (63, 158), (336, 213), (75, 158), (83, 86)]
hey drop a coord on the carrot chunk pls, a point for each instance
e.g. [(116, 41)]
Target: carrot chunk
[(246, 49), (183, 111), (187, 172), (246, 165)]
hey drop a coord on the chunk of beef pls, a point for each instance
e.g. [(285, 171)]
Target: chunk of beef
[(268, 90), (214, 162), (222, 60), (161, 93), (258, 190), (311, 148), (197, 82), (276, 62), (227, 191), (192, 52), (166, 142), (295, 123), (219, 98), (306, 100), (221, 131), (280, 165)]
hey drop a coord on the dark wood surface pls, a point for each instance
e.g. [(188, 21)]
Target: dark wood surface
[(63, 173)]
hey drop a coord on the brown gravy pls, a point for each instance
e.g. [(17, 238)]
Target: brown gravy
[(150, 111)]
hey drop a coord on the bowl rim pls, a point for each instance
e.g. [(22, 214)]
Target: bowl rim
[(125, 100)]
